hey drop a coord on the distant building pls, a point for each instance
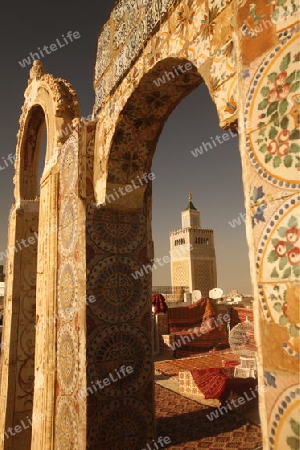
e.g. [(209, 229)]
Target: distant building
[(193, 259)]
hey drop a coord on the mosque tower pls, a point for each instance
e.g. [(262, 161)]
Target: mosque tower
[(193, 259)]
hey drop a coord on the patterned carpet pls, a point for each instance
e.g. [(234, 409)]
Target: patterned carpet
[(185, 423), (205, 361)]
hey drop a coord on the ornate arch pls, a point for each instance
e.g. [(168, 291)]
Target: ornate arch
[(50, 102)]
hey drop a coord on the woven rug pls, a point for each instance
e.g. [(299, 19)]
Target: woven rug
[(185, 423), (205, 361)]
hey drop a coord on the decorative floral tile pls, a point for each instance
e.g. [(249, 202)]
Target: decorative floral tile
[(223, 66), (198, 51), (285, 14), (273, 92), (182, 22), (284, 420), (159, 47), (226, 100), (279, 251), (218, 5), (280, 305), (275, 148)]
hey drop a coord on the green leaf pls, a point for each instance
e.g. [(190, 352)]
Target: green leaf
[(277, 161), (296, 270), (293, 222), (274, 241), (295, 86), (285, 62), (297, 74), (283, 106), (268, 158), (263, 104), (284, 123), (274, 116), (295, 135), (265, 91), (272, 76), (294, 148), (291, 78), (272, 108), (283, 321), (282, 231), (295, 427), (287, 272), (273, 133), (293, 443), (287, 161), (289, 246), (277, 307), (283, 262), (263, 148), (294, 331), (274, 273), (272, 256)]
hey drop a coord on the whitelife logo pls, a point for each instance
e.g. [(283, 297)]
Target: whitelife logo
[(53, 47)]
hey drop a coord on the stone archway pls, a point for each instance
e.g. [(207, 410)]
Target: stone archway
[(32, 261), (252, 79)]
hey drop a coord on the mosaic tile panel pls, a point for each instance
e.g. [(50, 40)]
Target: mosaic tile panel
[(116, 231), (284, 420), (67, 290), (122, 424), (68, 232), (225, 98), (103, 52), (218, 5), (274, 88), (116, 346), (67, 364), (118, 295), (284, 14), (223, 65), (69, 165), (279, 253), (66, 426)]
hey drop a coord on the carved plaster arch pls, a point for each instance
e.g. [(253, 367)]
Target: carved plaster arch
[(33, 239), (49, 101)]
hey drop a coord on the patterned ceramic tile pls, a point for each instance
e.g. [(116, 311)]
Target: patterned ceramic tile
[(279, 253), (280, 305), (223, 66), (217, 6), (66, 424), (182, 22), (284, 422), (285, 14), (198, 51), (226, 100), (103, 52), (274, 88), (275, 148)]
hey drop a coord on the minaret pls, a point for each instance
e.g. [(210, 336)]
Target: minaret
[(193, 260)]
